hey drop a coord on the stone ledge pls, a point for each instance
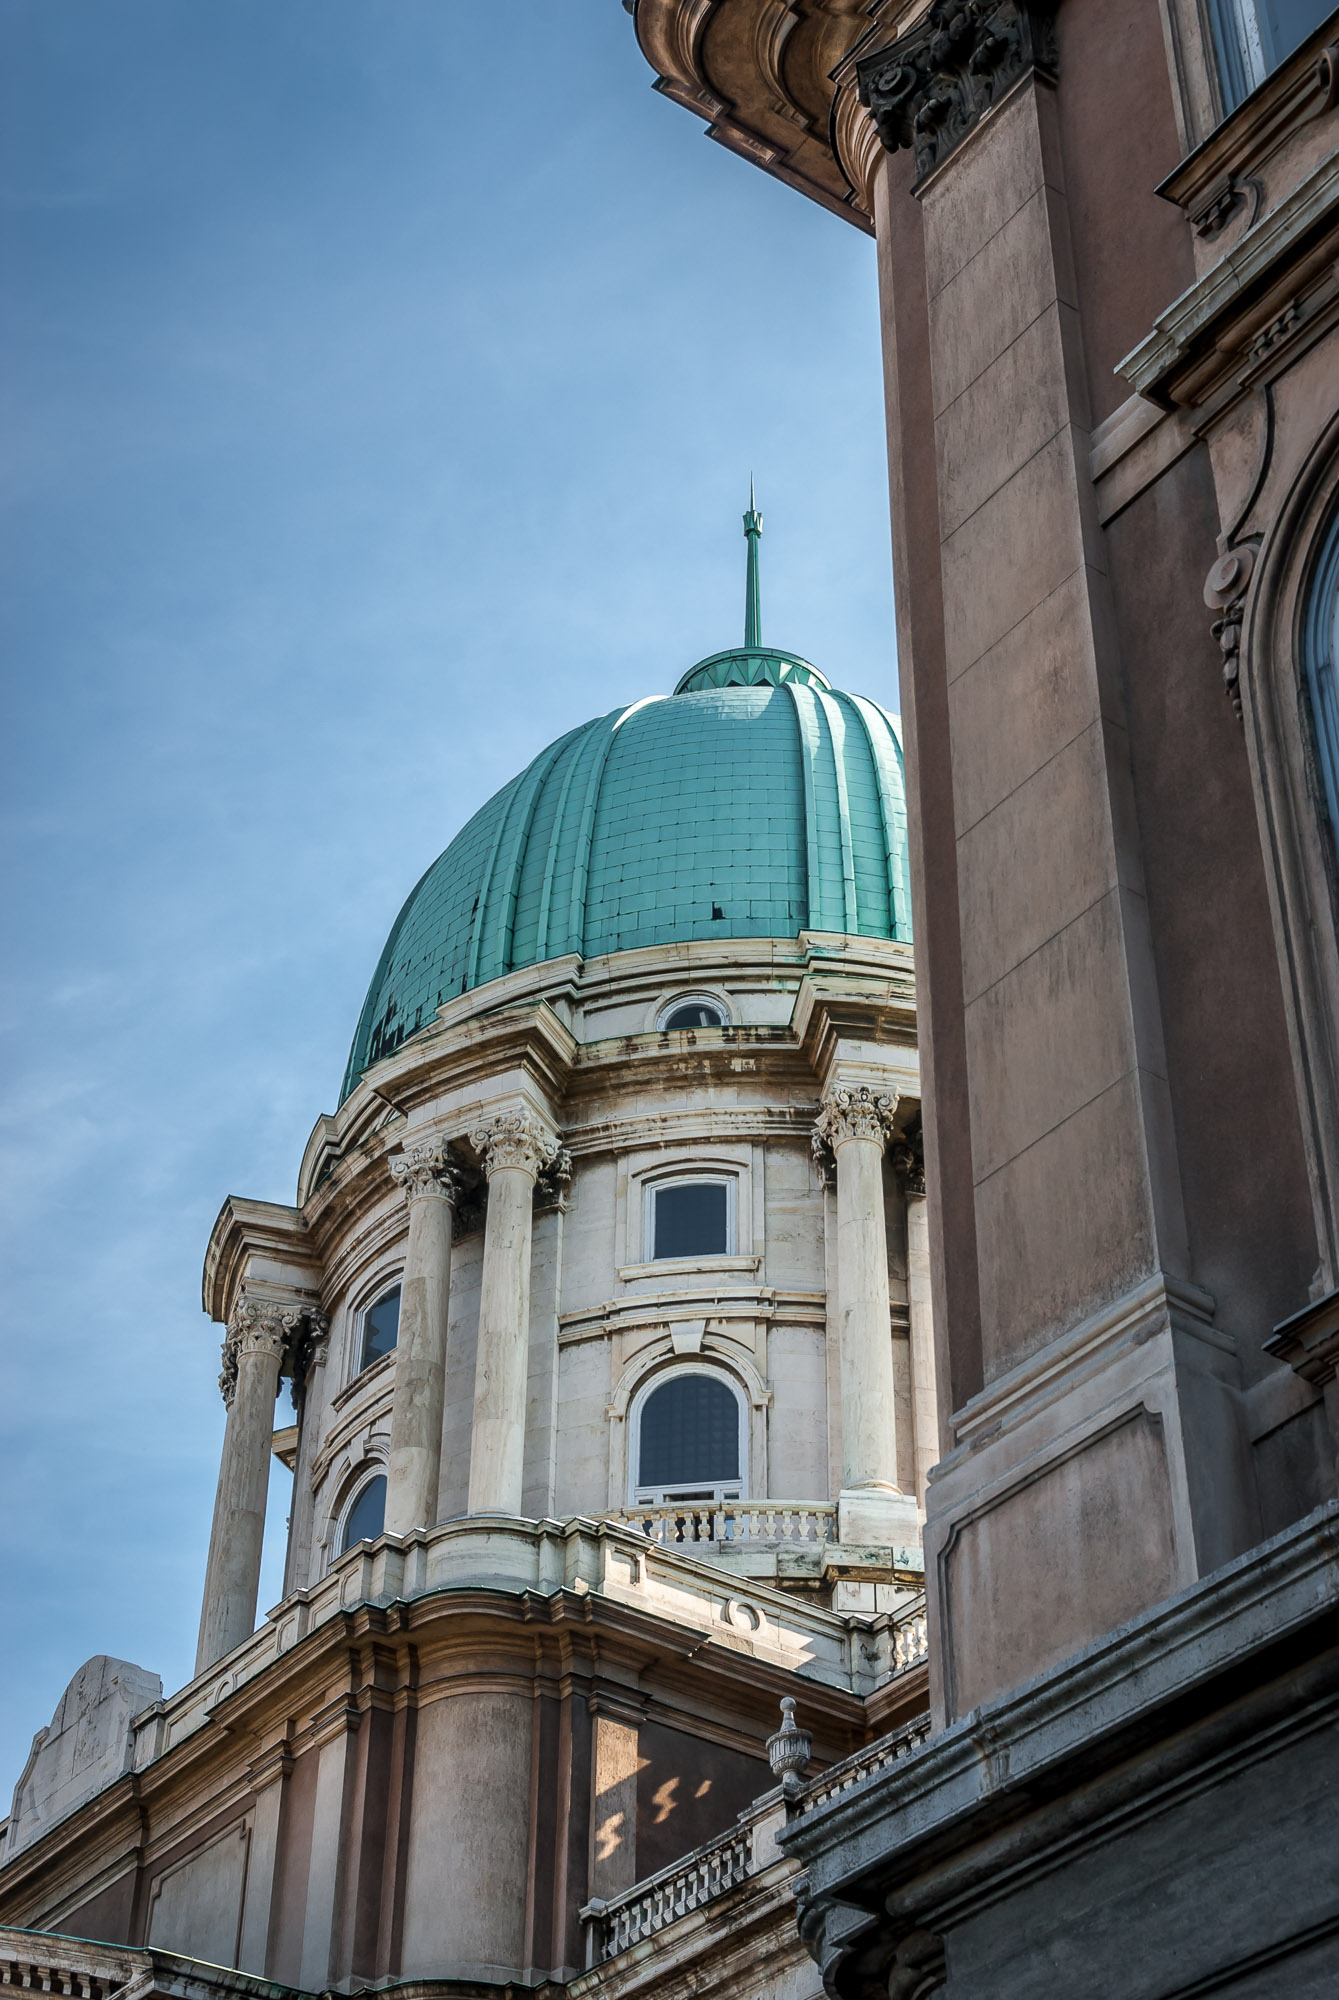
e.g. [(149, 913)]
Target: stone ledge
[(990, 1764)]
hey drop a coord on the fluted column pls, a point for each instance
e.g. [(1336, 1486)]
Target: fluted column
[(856, 1122), (514, 1148), (431, 1186), (259, 1334)]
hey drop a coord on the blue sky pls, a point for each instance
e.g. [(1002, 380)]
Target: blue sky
[(381, 380)]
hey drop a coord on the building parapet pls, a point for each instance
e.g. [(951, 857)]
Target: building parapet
[(849, 1650), (622, 1922)]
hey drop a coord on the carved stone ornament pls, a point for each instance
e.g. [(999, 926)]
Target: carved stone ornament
[(928, 89), (1225, 590), (261, 1326), (514, 1139), (855, 1112), (552, 1184), (426, 1169)]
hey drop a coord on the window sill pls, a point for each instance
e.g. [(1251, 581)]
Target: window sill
[(687, 1267), (362, 1379)]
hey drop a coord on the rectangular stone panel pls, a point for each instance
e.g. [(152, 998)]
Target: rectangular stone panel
[(196, 1907), (1034, 864), (1064, 1227), (1076, 1549), (986, 182), (1020, 704), (1012, 552), (1006, 415), (1014, 277), (1050, 1036)]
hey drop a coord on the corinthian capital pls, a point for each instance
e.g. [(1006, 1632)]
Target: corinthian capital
[(426, 1169), (854, 1112), (514, 1139), (257, 1326)]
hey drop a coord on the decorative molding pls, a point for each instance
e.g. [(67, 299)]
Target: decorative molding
[(426, 1168), (1309, 1341), (853, 1112), (515, 1140), (932, 86), (1225, 590), (554, 1180)]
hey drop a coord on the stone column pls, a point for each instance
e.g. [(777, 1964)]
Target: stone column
[(431, 1186), (514, 1147), (856, 1123), (259, 1334), (909, 1158)]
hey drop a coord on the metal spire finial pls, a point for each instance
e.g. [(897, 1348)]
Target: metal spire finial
[(752, 592)]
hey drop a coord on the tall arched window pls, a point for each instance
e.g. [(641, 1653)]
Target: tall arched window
[(1320, 659), (367, 1516), (381, 1328), (688, 1439)]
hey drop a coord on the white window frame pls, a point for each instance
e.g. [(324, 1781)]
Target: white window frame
[(685, 1492), (386, 1283), (367, 1473), (701, 996), (690, 1177)]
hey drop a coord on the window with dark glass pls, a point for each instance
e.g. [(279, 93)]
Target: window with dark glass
[(689, 1437), (367, 1516), (381, 1327), (691, 1219), (1320, 653), (1252, 37), (693, 1014)]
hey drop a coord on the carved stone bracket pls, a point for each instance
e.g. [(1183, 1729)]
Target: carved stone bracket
[(863, 1956), (554, 1180), (932, 86), (853, 1112), (515, 1139), (426, 1169), (290, 1334), (1225, 590)]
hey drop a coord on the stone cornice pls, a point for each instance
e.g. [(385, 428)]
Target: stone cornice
[(269, 1232), (1257, 302), (762, 77), (1217, 184), (990, 1768)]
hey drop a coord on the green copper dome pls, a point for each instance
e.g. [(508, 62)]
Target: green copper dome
[(755, 802)]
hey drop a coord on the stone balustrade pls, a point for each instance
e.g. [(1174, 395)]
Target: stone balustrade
[(662, 1899), (764, 1524), (863, 1764)]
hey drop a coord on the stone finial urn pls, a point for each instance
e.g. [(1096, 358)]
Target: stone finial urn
[(788, 1752)]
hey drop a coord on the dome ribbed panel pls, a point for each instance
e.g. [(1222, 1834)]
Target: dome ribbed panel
[(782, 806), (697, 812)]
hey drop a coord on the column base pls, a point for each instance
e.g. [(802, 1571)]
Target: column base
[(878, 1517)]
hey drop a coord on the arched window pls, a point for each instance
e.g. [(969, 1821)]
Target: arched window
[(688, 1439), (381, 1328), (1320, 656), (367, 1516), (694, 1010)]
